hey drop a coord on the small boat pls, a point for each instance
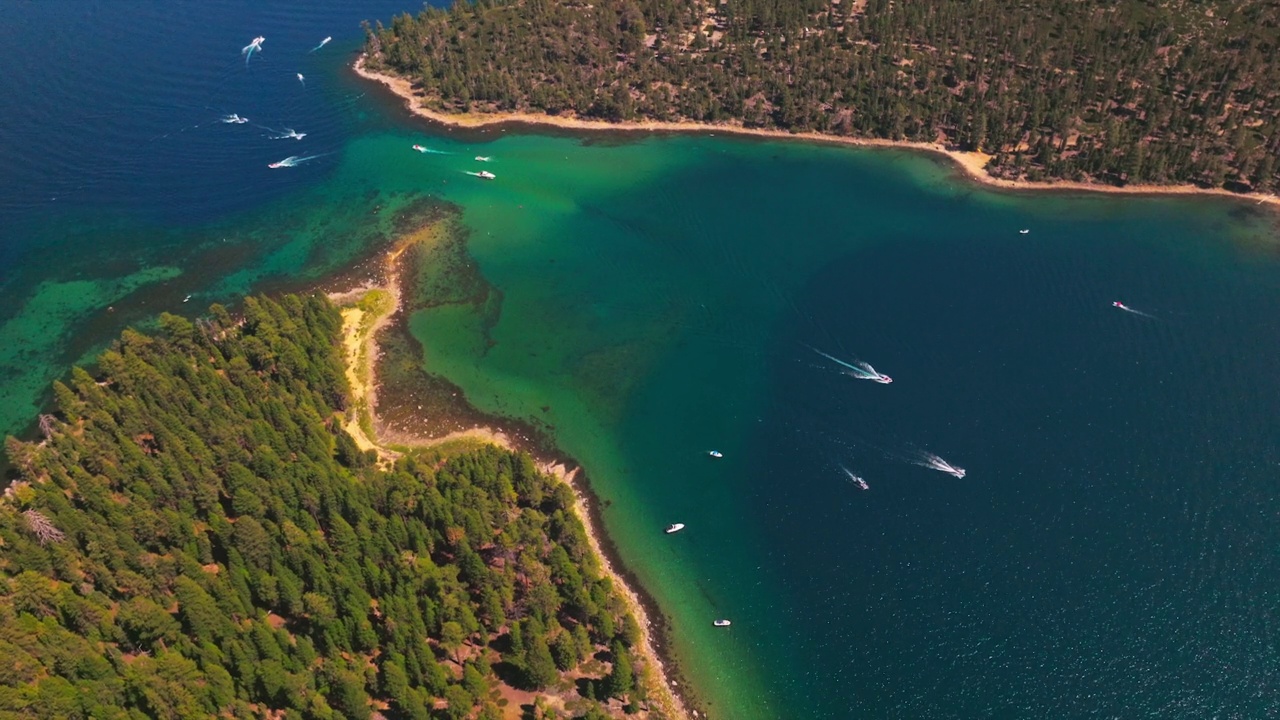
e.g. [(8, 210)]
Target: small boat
[(716, 454), (1024, 231), (419, 148), (482, 158), (486, 175), (1119, 304), (883, 379), (277, 164), (674, 528), (186, 299), (722, 623)]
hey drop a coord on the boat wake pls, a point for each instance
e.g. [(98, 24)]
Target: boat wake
[(857, 369), (859, 482), (292, 160), (929, 460), (286, 134), (322, 44), (248, 50), (1126, 308), (428, 151), (234, 119)]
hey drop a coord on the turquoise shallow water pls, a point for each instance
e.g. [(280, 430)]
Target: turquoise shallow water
[(1110, 551)]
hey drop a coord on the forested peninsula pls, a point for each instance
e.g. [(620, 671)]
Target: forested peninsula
[(1130, 92), (196, 535)]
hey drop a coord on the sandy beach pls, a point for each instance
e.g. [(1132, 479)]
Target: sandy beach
[(972, 164), (368, 309)]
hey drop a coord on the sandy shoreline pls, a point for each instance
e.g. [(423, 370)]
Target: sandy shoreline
[(360, 330), (970, 163)]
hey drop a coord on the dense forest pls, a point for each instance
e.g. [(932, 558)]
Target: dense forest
[(1112, 91), (195, 536)]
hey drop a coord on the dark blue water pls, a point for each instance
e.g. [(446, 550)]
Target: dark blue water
[(115, 104), (1113, 549)]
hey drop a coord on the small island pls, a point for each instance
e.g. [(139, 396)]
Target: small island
[(1124, 95), (195, 534)]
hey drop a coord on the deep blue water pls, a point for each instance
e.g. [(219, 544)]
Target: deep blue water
[(115, 104), (1112, 549)]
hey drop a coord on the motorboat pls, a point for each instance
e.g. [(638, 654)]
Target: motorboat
[(419, 148), (882, 379), (486, 175), (482, 158), (1024, 231), (1119, 304), (674, 528), (716, 454), (278, 164), (722, 623)]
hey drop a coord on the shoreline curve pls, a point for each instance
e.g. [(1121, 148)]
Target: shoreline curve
[(971, 164), (360, 342)]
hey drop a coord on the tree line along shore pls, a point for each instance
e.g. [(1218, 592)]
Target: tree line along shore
[(1107, 93), (195, 534)]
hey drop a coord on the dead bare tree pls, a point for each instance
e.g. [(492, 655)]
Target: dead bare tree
[(44, 530), (47, 426)]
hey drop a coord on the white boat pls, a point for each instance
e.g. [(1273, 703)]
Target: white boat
[(482, 158), (486, 175), (1024, 231), (722, 623), (674, 528), (419, 148), (716, 454), (882, 379)]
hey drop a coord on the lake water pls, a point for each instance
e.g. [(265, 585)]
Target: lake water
[(1110, 552)]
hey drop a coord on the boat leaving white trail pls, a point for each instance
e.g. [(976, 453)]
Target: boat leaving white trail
[(302, 80), (859, 369), (234, 119), (1126, 308), (862, 484), (929, 460), (482, 174), (322, 44), (287, 134), (291, 161), (248, 50)]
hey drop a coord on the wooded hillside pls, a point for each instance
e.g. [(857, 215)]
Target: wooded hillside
[(196, 536), (1113, 91)]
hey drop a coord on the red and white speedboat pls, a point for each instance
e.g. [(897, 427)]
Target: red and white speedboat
[(419, 148), (883, 379)]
